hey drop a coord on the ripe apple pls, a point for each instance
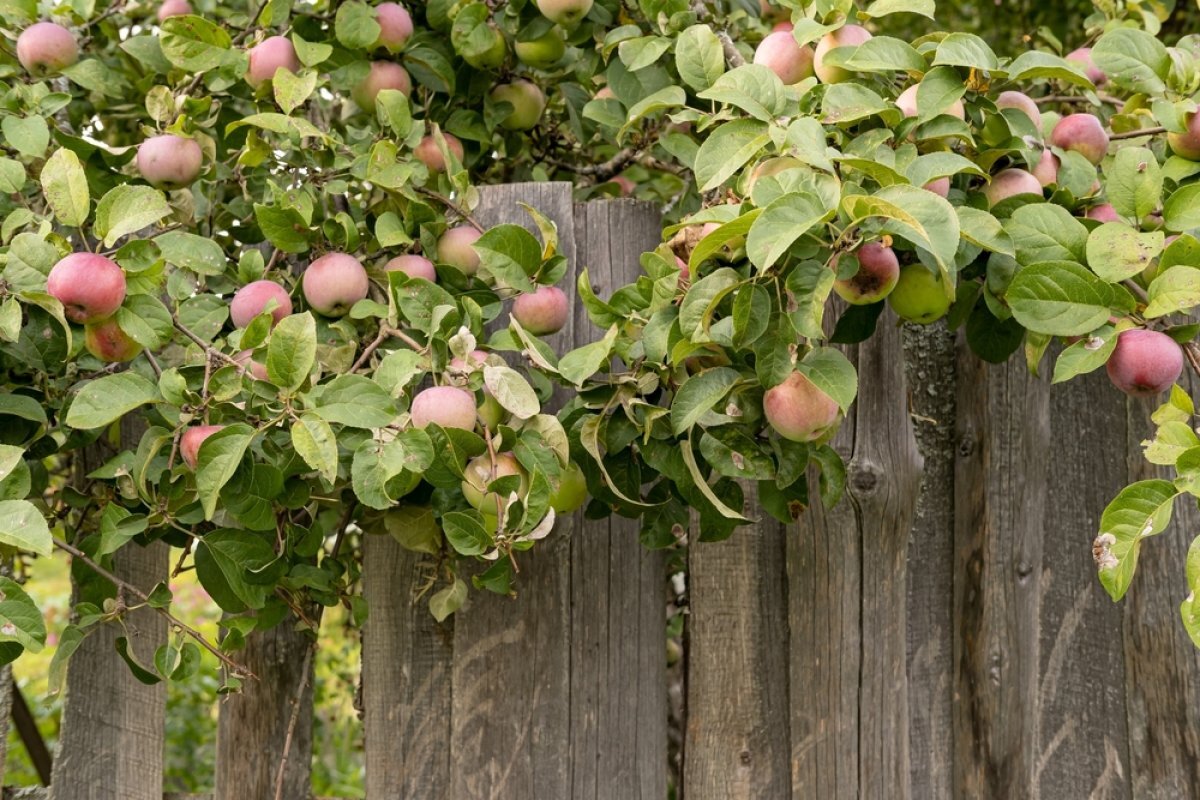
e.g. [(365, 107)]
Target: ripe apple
[(479, 474), (173, 8), (1145, 363), (192, 438), (1010, 183), (878, 271), (939, 186), (1187, 144), (542, 52), (269, 55), (395, 26), (1046, 170), (907, 103), (454, 248), (413, 266), (170, 161), (543, 312), (847, 36), (333, 283), (1103, 213), (256, 368), (106, 341), (1082, 133), (90, 287), (447, 406), (567, 13), (46, 48), (783, 55), (626, 185), (798, 410), (1023, 103), (253, 298), (571, 493), (919, 295), (382, 75), (428, 153), (527, 100), (1083, 57)]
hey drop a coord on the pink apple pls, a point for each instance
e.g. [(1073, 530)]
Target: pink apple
[(272, 53), (447, 406), (783, 55), (454, 248), (413, 266), (173, 8), (429, 154), (170, 161), (1082, 133), (395, 26), (798, 410), (382, 75), (1145, 363), (254, 298), (542, 313), (46, 48), (334, 283), (90, 287), (192, 438)]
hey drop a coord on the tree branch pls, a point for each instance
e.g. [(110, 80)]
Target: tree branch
[(453, 206), (1115, 137)]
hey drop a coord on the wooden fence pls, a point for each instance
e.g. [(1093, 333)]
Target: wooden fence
[(940, 634)]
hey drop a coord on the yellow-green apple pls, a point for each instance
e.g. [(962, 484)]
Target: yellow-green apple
[(454, 248), (527, 101), (799, 411), (919, 295), (333, 283)]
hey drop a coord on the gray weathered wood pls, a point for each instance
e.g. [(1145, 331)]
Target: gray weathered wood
[(618, 624), (253, 724)]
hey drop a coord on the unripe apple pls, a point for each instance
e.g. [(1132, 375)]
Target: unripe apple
[(798, 410), (257, 369), (783, 55), (253, 298), (479, 474), (543, 312), (1046, 170), (1145, 363), (527, 100), (454, 248), (106, 341), (333, 283), (90, 287), (1082, 133), (848, 36), (413, 266), (269, 55), (567, 13), (1083, 57), (46, 48), (1023, 103), (571, 493), (1187, 145), (382, 75), (492, 57), (395, 26), (544, 51), (1010, 183), (939, 186), (170, 161), (919, 295), (907, 103), (173, 8), (447, 406), (491, 414), (192, 438), (1103, 213), (878, 271), (428, 153)]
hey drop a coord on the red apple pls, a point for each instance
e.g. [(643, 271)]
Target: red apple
[(1145, 363), (272, 53), (413, 266), (878, 272), (1082, 133), (1083, 57), (542, 313), (333, 283), (192, 438), (90, 287), (798, 410), (46, 48), (447, 406), (395, 26), (429, 154), (254, 298), (783, 55), (382, 75)]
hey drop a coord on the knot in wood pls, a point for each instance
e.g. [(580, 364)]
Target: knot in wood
[(744, 757), (966, 445), (865, 477)]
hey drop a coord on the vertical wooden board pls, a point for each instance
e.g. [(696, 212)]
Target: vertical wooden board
[(1000, 524), (1083, 744), (736, 740), (618, 624), (405, 678), (252, 725), (931, 376), (1162, 673), (510, 720)]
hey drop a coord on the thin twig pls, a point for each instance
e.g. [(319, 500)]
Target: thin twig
[(602, 171), (236, 668), (453, 206), (1137, 134), (208, 349), (384, 332), (153, 363), (1138, 291), (732, 56), (1189, 350), (1075, 98)]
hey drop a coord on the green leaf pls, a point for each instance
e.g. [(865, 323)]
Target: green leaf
[(1189, 609), (372, 472), (1116, 251), (1177, 289), (466, 533), (727, 149), (699, 394), (107, 399), (446, 601), (284, 227), (355, 25), (415, 528), (20, 620), (781, 224), (22, 526), (292, 351), (753, 88), (1182, 209), (219, 457), (68, 642), (291, 90), (194, 44), (1134, 182), (511, 391), (1142, 509), (224, 559), (30, 136), (12, 176), (1086, 355), (832, 373), (1047, 232), (65, 187), (966, 50), (354, 400), (315, 443), (142, 674), (584, 362), (1062, 298), (128, 208), (698, 57), (117, 526), (1133, 59), (199, 254), (689, 459)]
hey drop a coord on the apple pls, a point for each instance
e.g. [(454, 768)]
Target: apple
[(1046, 169), (625, 185), (1082, 133), (542, 313), (173, 8), (1145, 363), (492, 57), (907, 103), (480, 473), (46, 48), (106, 341), (395, 26), (1187, 144), (413, 266), (447, 406), (847, 36), (429, 154), (527, 100), (878, 271), (571, 493), (170, 161), (919, 295), (542, 52), (491, 414), (1023, 103), (1083, 57), (799, 411), (454, 248), (90, 287), (256, 368), (939, 186), (254, 298), (476, 359), (382, 75), (783, 55), (267, 56), (567, 13), (333, 283), (1103, 213), (192, 438), (1010, 183), (783, 26), (605, 93)]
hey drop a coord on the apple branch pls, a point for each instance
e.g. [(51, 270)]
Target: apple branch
[(1114, 137), (732, 56), (453, 206)]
